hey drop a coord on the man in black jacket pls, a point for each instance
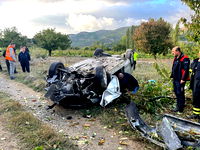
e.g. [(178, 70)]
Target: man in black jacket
[(180, 74), (195, 86), (24, 59), (127, 83)]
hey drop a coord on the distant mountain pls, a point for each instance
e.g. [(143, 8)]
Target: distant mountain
[(83, 39)]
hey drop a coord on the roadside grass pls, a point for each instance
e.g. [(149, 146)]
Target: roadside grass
[(42, 53), (33, 134)]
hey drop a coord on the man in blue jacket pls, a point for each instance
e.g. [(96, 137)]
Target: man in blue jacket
[(24, 58)]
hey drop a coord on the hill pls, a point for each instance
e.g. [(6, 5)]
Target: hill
[(83, 39)]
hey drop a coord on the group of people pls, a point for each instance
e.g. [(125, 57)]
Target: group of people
[(11, 59), (180, 74)]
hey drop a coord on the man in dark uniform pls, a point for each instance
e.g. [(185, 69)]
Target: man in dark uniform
[(180, 74), (127, 83), (195, 86)]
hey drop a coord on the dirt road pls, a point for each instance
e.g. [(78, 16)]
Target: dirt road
[(86, 133)]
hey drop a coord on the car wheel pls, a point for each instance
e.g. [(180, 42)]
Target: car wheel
[(129, 55), (54, 69), (101, 76)]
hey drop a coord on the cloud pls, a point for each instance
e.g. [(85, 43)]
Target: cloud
[(54, 20), (185, 13), (72, 16), (50, 1), (80, 22)]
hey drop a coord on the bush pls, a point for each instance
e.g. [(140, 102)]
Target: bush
[(152, 89)]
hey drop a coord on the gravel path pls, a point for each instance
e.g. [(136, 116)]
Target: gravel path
[(86, 133)]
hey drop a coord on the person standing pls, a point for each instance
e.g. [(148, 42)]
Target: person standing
[(26, 49), (180, 74), (0, 61), (11, 57), (135, 56), (24, 59), (195, 86)]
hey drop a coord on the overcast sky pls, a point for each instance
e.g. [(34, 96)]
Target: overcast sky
[(73, 16)]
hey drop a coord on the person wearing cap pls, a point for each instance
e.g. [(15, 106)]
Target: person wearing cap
[(180, 74), (195, 86), (11, 57)]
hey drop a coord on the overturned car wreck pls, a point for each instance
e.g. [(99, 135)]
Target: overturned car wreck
[(172, 133), (92, 81)]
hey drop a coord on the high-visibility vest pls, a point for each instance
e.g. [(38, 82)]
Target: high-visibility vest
[(135, 55), (8, 55)]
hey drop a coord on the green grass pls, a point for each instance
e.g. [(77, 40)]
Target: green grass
[(31, 131), (42, 53)]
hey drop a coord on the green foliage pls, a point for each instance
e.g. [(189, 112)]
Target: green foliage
[(193, 25), (162, 72), (9, 35), (129, 37), (50, 40), (152, 89), (82, 53), (39, 148), (119, 47), (153, 37), (190, 49), (175, 33)]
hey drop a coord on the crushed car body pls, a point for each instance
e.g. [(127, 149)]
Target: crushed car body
[(172, 133), (84, 82)]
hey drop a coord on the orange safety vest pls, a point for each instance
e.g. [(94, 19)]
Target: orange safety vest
[(8, 56)]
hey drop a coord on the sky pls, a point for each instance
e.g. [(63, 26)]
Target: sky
[(74, 16)]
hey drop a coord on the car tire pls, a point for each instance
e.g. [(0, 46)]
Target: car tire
[(101, 76), (53, 69), (129, 55)]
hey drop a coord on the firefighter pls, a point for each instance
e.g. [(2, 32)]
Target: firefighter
[(195, 86), (11, 57), (180, 74)]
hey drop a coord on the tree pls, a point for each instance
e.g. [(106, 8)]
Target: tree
[(1, 38), (131, 37), (9, 35), (128, 38), (175, 33), (119, 47), (193, 25), (153, 37), (51, 40)]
